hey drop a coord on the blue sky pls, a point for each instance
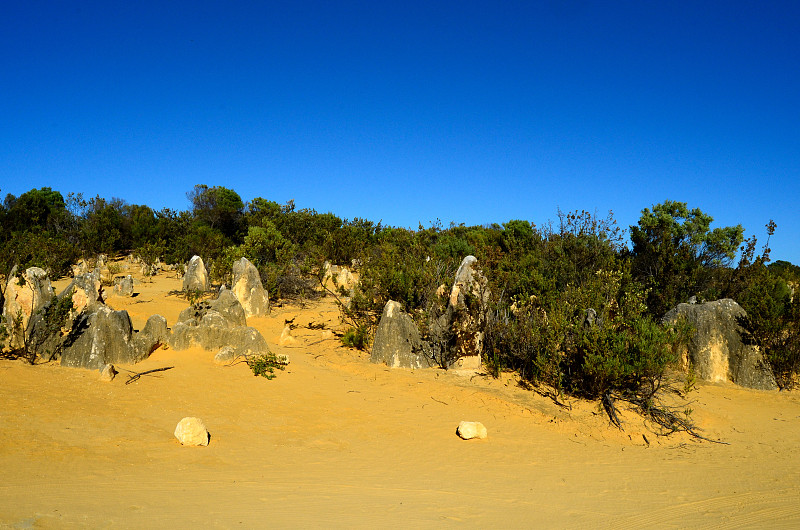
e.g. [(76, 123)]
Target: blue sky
[(408, 112)]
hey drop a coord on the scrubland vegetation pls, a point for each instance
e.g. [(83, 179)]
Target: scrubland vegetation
[(543, 280)]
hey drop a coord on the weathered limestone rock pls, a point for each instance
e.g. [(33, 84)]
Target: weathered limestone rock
[(468, 430), (192, 431), (23, 299), (469, 298), (338, 277), (397, 340), (146, 341), (248, 289), (108, 373), (214, 325), (716, 350), (86, 293), (98, 338), (196, 277), (225, 355), (123, 285)]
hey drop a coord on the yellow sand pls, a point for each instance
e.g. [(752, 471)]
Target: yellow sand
[(335, 441)]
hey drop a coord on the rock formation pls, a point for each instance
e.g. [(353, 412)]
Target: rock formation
[(397, 341), (248, 289), (196, 277), (123, 285), (214, 325), (23, 299), (716, 350)]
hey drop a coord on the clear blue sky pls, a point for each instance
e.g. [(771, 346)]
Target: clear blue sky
[(405, 112)]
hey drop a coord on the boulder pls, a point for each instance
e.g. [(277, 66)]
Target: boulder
[(716, 350), (123, 285), (196, 277), (397, 341), (248, 289), (24, 298), (192, 432), (286, 337), (468, 430)]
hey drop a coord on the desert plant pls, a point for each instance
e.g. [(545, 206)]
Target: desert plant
[(264, 365), (357, 337)]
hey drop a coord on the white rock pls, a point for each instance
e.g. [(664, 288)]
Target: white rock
[(191, 431), (471, 429)]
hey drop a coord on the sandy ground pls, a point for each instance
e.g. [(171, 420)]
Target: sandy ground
[(335, 441)]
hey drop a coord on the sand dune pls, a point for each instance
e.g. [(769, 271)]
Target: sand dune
[(335, 441)]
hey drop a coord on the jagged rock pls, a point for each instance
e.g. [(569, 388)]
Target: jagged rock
[(25, 299), (108, 373), (98, 338), (86, 293), (146, 341), (213, 325), (192, 431), (397, 340), (469, 299), (123, 285), (716, 350), (196, 277), (468, 430), (248, 289)]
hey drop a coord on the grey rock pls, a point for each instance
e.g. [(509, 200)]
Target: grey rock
[(146, 341), (397, 341), (99, 338), (248, 289), (108, 373), (196, 277), (123, 285), (214, 325), (225, 355), (716, 350), (85, 291)]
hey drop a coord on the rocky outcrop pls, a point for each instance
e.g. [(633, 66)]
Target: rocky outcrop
[(214, 325), (338, 277), (196, 277), (86, 293), (455, 333), (23, 298), (105, 336), (397, 341), (123, 285), (248, 289), (716, 350)]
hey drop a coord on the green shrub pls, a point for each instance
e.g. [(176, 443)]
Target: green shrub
[(357, 337), (264, 365)]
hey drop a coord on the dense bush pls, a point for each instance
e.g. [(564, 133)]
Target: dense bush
[(572, 305)]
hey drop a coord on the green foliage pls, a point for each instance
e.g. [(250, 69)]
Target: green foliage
[(676, 253), (265, 365), (149, 253), (217, 207), (357, 337)]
